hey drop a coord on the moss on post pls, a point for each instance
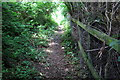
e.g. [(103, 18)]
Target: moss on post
[(99, 35), (87, 61)]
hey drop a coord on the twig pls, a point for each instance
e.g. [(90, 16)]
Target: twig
[(116, 7), (106, 14), (102, 49), (95, 49)]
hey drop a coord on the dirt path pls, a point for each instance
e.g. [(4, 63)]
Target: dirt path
[(58, 66)]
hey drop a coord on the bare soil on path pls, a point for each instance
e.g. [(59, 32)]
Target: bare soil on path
[(58, 67)]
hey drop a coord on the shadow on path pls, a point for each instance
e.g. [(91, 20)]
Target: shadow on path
[(58, 67)]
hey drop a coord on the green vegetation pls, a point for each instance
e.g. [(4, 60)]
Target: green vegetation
[(60, 40), (26, 27), (69, 44)]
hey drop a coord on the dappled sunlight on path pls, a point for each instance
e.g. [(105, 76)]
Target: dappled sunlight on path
[(60, 30), (55, 65), (59, 67)]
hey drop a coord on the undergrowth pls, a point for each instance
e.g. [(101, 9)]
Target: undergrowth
[(28, 46), (24, 39), (71, 50)]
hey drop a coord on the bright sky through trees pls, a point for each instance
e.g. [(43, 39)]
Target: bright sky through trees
[(57, 14)]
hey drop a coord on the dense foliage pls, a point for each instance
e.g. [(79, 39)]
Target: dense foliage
[(25, 27), (28, 30)]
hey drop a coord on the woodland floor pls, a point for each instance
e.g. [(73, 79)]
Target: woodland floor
[(58, 66)]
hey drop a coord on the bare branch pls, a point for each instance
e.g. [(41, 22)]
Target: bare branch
[(95, 49)]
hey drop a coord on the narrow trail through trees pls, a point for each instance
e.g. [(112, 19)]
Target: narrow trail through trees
[(58, 67)]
